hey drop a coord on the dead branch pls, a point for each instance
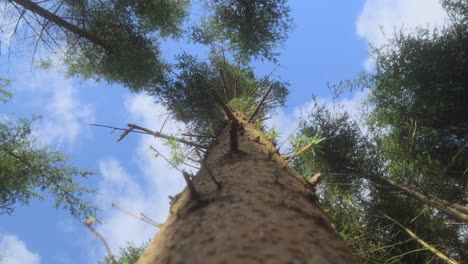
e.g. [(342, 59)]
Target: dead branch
[(150, 220), (420, 241), (36, 9), (260, 103), (162, 127), (125, 133), (233, 142), (140, 218), (146, 131), (193, 191), (224, 84), (299, 153), (264, 80), (315, 179), (289, 136), (213, 178), (88, 224), (166, 159)]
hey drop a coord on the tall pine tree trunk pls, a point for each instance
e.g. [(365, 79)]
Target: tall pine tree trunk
[(247, 209)]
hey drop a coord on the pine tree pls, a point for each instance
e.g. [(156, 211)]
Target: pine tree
[(246, 204)]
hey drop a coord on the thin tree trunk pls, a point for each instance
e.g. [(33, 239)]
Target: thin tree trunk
[(422, 242), (259, 213), (35, 8), (444, 206)]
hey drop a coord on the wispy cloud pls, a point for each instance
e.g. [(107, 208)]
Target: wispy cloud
[(64, 117), (379, 19), (145, 189), (14, 251)]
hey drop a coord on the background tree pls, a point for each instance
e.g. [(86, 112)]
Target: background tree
[(408, 170), (28, 169), (127, 255)]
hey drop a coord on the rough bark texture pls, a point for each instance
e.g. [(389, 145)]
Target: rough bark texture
[(260, 213)]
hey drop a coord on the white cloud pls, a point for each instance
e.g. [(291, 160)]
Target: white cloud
[(64, 117), (145, 190), (286, 123), (14, 251), (379, 19)]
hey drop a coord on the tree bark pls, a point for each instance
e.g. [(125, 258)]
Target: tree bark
[(249, 210), (445, 206)]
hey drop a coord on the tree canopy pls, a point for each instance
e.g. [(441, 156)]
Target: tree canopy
[(395, 181), (28, 170)]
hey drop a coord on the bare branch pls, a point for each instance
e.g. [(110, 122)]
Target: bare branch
[(88, 224), (125, 133), (299, 153), (191, 187), (315, 179), (146, 131), (264, 80), (151, 222), (213, 178), (289, 136), (260, 103), (233, 142), (420, 241), (166, 159), (33, 7), (224, 84), (162, 127)]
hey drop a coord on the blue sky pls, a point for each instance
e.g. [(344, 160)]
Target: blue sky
[(329, 44)]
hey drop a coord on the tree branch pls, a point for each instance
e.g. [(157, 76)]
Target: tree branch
[(299, 153), (420, 241), (193, 191), (88, 224), (140, 218), (146, 131), (260, 103), (263, 81), (289, 136), (33, 7)]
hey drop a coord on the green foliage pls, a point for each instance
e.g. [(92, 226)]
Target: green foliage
[(272, 134), (133, 59), (416, 135), (189, 96), (27, 170), (251, 28), (244, 105), (4, 94), (128, 254), (164, 16), (176, 152), (301, 141), (348, 214), (348, 160), (118, 40), (419, 99)]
